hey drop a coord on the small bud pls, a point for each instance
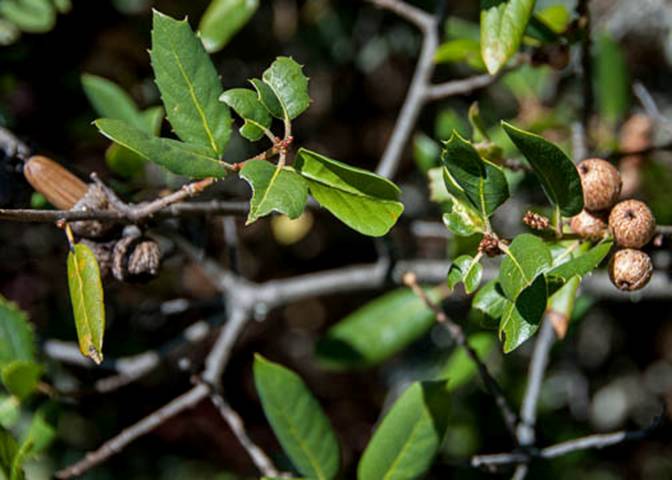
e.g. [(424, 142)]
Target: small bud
[(630, 270), (489, 245), (588, 225), (601, 184), (535, 221), (632, 224)]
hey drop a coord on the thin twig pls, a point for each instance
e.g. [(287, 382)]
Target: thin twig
[(421, 19), (456, 332)]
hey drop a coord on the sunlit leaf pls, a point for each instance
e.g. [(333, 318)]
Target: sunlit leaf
[(503, 24), (465, 269), (527, 257), (290, 86), (223, 19)]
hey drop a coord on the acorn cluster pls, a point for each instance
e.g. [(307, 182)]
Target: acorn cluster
[(630, 222)]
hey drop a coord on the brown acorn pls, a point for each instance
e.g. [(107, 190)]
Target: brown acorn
[(632, 224), (630, 269), (601, 184), (588, 225)]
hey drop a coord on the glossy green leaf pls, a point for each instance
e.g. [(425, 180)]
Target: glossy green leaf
[(520, 319), (527, 257), (557, 174), (482, 182), (223, 19), (297, 420), (503, 24), (109, 100), (581, 265), (17, 340), (21, 377), (189, 85), (267, 98), (376, 331), (362, 200), (459, 369), (180, 158), (86, 295), (274, 189), (462, 220), (490, 300), (556, 17), (612, 79), (406, 442), (290, 86), (465, 269), (247, 105), (32, 16)]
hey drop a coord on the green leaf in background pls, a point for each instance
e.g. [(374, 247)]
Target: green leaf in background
[(268, 99), (503, 24), (109, 100), (364, 201), (375, 332), (465, 269), (10, 410), (86, 295), (180, 158), (189, 85), (482, 182), (21, 377), (17, 340), (290, 86), (274, 189), (426, 152), (556, 17), (479, 131), (63, 6), (248, 107), (406, 441), (612, 79), (490, 300), (223, 19), (297, 420), (42, 429), (582, 264), (8, 451), (527, 257), (556, 172), (460, 50), (521, 317), (459, 369), (32, 16)]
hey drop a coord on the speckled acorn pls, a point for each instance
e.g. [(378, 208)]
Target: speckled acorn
[(632, 224), (630, 269), (588, 225), (601, 184)]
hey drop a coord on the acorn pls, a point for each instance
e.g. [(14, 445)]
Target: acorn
[(632, 224), (67, 192), (589, 225), (630, 269), (601, 184)]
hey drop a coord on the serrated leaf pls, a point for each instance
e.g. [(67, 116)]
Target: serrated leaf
[(86, 295), (582, 264), (406, 442), (375, 331), (20, 377), (290, 86), (612, 79), (32, 16), (466, 269), (180, 158), (503, 24), (459, 368), (189, 85), (111, 101), (267, 98), (520, 319), (223, 19), (527, 257), (17, 340), (297, 420), (364, 201), (247, 105), (490, 300), (483, 183), (274, 189), (556, 172)]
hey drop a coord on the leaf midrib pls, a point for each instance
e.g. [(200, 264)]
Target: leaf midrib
[(81, 303), (405, 447)]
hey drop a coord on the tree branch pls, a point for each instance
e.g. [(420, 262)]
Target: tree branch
[(421, 19)]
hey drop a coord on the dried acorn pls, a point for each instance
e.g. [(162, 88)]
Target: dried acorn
[(632, 224), (135, 258), (630, 269), (588, 225), (601, 184)]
